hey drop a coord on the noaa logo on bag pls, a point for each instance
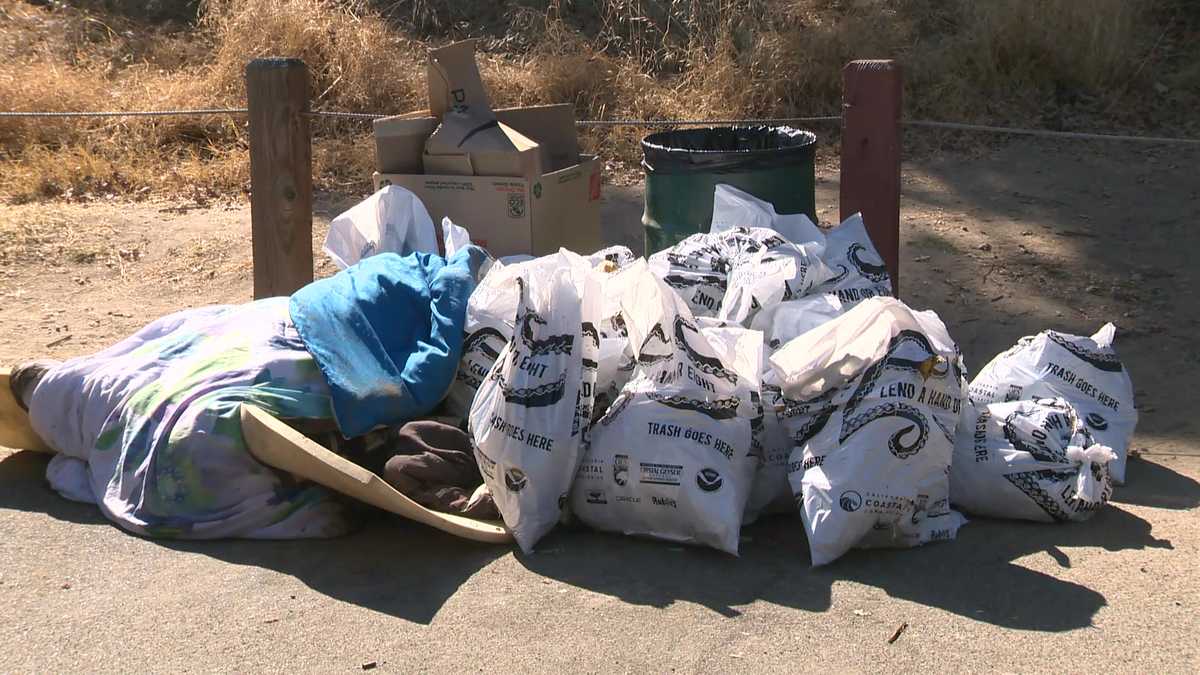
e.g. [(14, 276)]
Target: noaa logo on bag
[(515, 479), (850, 501), (709, 480), (1095, 421), (621, 470)]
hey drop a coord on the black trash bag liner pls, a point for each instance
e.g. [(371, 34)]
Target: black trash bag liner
[(714, 149)]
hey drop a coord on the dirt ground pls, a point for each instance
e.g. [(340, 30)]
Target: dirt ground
[(1001, 245)]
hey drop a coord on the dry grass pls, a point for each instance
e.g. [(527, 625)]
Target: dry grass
[(1051, 62)]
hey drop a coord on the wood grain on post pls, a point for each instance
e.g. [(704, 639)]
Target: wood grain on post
[(871, 98), (280, 175)]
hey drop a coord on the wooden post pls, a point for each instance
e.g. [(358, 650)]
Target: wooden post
[(871, 97), (280, 175)]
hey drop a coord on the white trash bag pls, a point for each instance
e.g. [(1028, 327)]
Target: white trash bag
[(617, 360), (699, 267), (391, 220), (781, 323), (734, 208), (857, 271), (491, 311), (530, 414), (1029, 460), (671, 457), (768, 277), (770, 491), (612, 258), (872, 400), (1085, 371)]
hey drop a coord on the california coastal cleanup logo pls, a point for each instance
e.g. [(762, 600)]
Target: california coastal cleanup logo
[(850, 501)]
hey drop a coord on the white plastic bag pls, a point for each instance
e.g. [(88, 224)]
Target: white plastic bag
[(1085, 371), (765, 278), (671, 457), (735, 208), (698, 268), (391, 220), (491, 311), (784, 321), (857, 271), (1029, 460), (872, 400), (454, 236), (780, 323), (493, 306), (529, 416), (770, 491)]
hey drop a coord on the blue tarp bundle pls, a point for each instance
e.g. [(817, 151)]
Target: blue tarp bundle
[(387, 333)]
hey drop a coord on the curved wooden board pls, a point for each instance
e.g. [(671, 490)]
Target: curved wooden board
[(15, 430), (276, 444)]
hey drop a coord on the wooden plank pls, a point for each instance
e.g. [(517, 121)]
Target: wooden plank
[(280, 175), (276, 444), (871, 100)]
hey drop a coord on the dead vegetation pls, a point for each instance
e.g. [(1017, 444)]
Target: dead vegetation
[(1054, 63)]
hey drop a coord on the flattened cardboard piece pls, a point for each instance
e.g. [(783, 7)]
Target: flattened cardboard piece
[(276, 444), (481, 154), (448, 165), (458, 97), (400, 142), (552, 126), (15, 430), (566, 209), (454, 83)]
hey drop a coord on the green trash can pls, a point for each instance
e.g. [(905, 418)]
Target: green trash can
[(683, 167)]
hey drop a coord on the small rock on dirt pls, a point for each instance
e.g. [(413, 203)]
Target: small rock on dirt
[(985, 247)]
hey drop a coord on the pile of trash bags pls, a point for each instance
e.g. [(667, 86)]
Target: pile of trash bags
[(762, 368)]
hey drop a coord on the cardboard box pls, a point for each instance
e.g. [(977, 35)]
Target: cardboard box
[(513, 177), (470, 140), (513, 215), (552, 126), (400, 142), (515, 155)]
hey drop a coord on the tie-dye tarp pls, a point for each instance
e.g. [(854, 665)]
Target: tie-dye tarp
[(149, 429)]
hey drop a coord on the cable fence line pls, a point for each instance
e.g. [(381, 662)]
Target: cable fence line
[(127, 113), (1046, 133), (688, 123), (346, 115), (336, 114)]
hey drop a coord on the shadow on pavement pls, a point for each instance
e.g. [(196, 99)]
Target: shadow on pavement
[(409, 571), (390, 565), (975, 576), (1154, 485)]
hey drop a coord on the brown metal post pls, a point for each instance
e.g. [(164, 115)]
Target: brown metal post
[(871, 98), (280, 175)]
